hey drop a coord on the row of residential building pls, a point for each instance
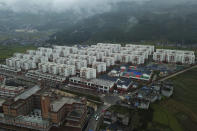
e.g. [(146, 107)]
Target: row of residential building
[(67, 61), (54, 68), (106, 53), (174, 56), (12, 70)]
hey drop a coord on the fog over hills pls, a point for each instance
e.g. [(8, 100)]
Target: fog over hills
[(78, 6), (129, 21), (104, 20)]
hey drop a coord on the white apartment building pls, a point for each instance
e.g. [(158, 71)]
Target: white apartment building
[(99, 66), (87, 73), (174, 56)]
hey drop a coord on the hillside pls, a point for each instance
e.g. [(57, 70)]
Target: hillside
[(130, 21)]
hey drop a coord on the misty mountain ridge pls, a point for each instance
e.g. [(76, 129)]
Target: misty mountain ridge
[(129, 21), (104, 20)]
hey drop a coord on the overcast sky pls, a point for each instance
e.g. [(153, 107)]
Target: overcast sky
[(58, 5), (88, 6)]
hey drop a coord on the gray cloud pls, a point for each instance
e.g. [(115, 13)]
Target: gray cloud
[(82, 8), (35, 6)]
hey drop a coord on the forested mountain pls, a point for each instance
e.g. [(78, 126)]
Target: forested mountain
[(168, 20), (121, 21), (10, 20)]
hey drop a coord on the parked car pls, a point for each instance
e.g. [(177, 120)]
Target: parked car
[(97, 118)]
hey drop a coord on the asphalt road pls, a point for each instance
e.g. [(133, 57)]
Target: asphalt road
[(109, 100), (93, 123)]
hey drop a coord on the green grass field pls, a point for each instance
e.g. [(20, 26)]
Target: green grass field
[(178, 113), (8, 51), (119, 109), (186, 89), (163, 119)]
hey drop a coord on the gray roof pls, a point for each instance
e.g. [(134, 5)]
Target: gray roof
[(100, 82), (28, 93), (58, 104)]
